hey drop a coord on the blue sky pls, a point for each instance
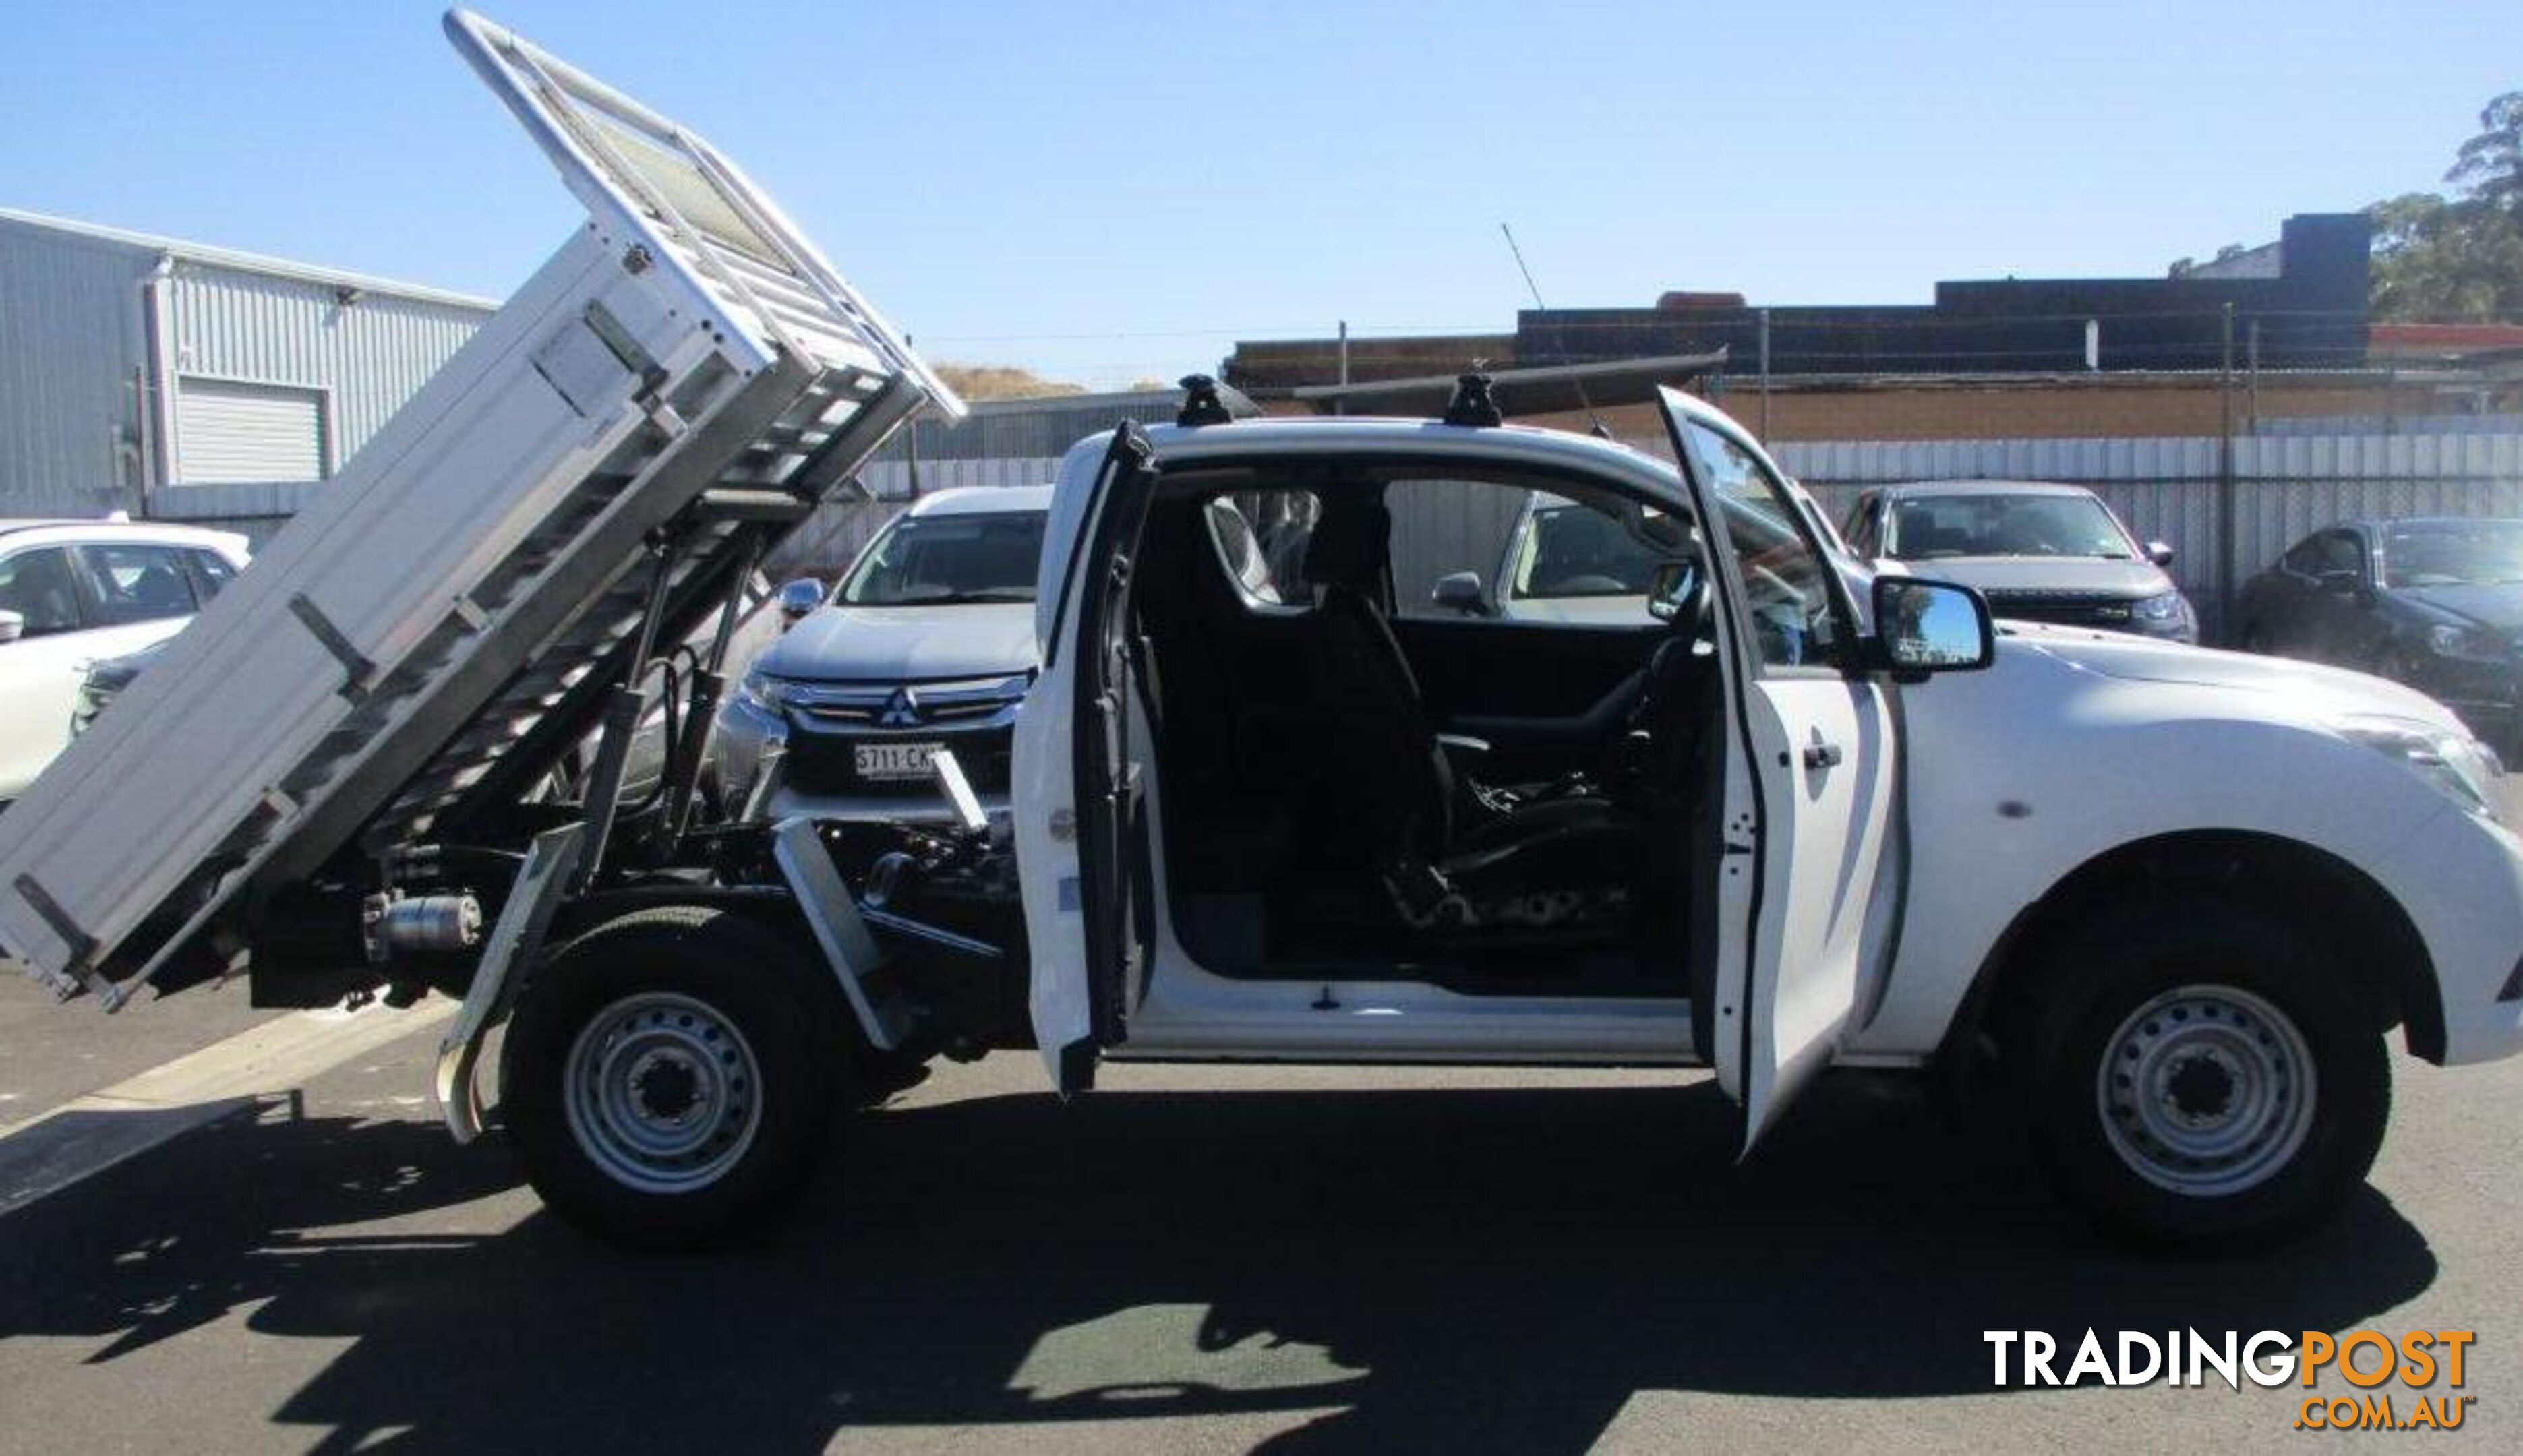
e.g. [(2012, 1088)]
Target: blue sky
[(1110, 191)]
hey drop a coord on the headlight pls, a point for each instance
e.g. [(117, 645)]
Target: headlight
[(2169, 607), (2464, 643), (763, 694), (2462, 769)]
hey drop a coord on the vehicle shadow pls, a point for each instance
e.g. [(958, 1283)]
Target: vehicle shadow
[(1504, 1268)]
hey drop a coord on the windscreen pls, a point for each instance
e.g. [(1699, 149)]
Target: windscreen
[(2453, 553), (1928, 527), (948, 560)]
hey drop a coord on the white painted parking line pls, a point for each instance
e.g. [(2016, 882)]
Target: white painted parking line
[(83, 1138)]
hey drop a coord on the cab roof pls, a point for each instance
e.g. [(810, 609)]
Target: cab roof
[(1331, 435)]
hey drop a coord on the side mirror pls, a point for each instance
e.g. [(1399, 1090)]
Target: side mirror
[(2159, 554), (1460, 592), (797, 598), (1923, 626), (1677, 591), (13, 625)]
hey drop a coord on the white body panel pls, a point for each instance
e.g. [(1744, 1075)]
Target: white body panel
[(2063, 751), (1822, 839), (2071, 745)]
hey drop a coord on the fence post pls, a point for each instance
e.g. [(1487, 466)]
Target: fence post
[(1765, 376), (2229, 564), (1341, 405), (2252, 378)]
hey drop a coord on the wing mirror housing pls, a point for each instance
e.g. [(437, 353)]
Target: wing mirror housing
[(1460, 592), (1924, 627), (1672, 590), (2159, 552), (797, 598), (13, 625)]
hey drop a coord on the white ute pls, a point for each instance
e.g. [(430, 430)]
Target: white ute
[(2167, 903)]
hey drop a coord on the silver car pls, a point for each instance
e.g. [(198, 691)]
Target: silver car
[(927, 643), (2039, 553)]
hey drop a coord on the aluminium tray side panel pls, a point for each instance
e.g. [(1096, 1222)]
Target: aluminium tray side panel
[(231, 722), (688, 337)]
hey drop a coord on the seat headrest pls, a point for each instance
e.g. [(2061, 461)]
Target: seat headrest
[(1349, 542)]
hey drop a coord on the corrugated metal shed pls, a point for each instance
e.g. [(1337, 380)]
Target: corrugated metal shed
[(114, 342)]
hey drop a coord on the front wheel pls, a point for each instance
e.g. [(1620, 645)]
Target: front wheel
[(670, 1075), (2206, 1079)]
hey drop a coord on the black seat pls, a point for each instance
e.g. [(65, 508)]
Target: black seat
[(1398, 809)]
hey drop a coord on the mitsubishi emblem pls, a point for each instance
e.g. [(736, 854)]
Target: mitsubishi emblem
[(902, 710)]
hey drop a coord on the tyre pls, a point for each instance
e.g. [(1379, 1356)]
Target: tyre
[(2205, 1078), (2256, 638), (670, 1075)]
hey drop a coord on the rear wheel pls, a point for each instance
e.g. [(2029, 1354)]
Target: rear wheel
[(670, 1075), (2207, 1078)]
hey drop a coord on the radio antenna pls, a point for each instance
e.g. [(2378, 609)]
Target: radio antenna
[(1602, 429)]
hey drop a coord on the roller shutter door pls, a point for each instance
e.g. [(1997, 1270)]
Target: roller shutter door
[(229, 432)]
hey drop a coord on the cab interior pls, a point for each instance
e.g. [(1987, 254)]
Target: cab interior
[(1356, 783)]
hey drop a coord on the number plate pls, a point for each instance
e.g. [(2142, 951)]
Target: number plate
[(895, 759)]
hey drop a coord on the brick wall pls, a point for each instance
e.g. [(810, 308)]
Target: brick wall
[(2103, 407)]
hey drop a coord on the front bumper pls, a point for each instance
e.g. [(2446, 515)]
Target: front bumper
[(2460, 879), (819, 777)]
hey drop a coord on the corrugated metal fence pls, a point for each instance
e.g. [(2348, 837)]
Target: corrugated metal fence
[(2166, 490), (2171, 489)]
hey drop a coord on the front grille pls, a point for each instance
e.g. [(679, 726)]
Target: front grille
[(829, 722), (2111, 609), (903, 706)]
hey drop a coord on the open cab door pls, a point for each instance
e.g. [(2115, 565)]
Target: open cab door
[(1809, 872), (1082, 841)]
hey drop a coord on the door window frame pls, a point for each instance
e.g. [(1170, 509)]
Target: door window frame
[(1849, 658), (82, 607), (91, 575)]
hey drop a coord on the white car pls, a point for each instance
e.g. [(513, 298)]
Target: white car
[(72, 592), (927, 643), (2167, 904), (2038, 550)]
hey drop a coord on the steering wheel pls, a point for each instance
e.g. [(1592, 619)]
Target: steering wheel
[(1642, 758)]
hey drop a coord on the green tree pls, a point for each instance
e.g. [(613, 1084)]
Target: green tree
[(2459, 258)]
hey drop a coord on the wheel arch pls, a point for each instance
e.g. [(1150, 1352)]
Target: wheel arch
[(2392, 968)]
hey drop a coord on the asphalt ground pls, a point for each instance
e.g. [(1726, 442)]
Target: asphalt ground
[(52, 1051), (1206, 1259)]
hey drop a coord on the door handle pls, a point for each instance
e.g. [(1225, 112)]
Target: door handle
[(1819, 754)]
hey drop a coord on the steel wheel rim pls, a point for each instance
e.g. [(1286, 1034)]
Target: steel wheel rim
[(2207, 1091), (663, 1093)]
